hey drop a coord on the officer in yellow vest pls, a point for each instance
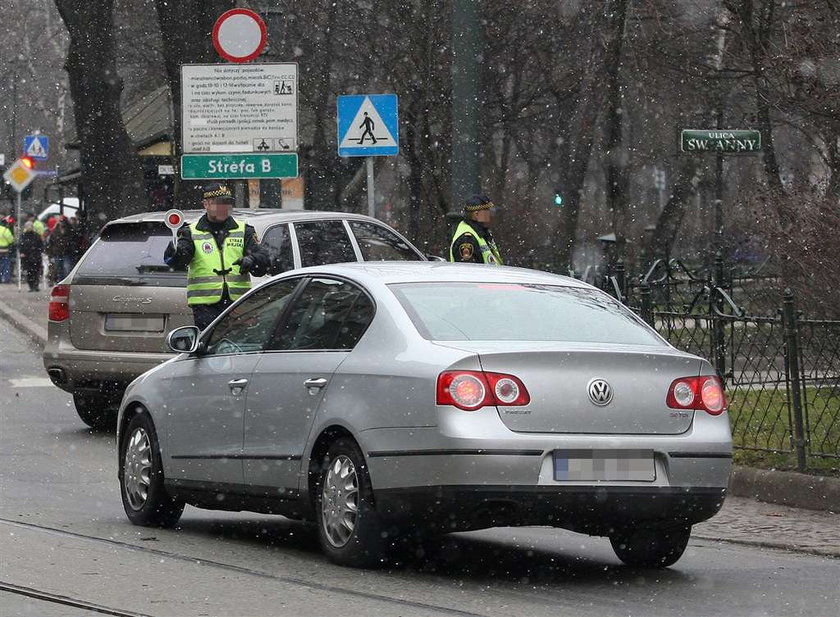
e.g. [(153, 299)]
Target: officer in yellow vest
[(472, 241), (220, 253), (7, 240)]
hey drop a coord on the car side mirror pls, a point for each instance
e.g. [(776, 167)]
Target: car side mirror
[(183, 339)]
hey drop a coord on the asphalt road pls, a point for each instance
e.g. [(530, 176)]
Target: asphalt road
[(67, 549)]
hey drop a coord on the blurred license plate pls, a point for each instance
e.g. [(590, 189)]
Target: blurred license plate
[(604, 465), (133, 322)]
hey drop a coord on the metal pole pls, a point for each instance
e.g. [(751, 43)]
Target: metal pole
[(370, 195), (17, 238), (718, 237), (466, 101), (791, 330)]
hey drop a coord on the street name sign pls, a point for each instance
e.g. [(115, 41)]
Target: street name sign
[(239, 108), (37, 147), (19, 176), (368, 125), (238, 166), (720, 141)]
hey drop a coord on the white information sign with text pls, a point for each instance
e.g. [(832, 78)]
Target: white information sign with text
[(239, 107)]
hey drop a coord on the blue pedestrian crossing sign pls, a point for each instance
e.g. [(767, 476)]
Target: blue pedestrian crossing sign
[(368, 125), (37, 147)]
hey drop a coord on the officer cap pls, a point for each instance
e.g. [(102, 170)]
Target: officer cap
[(217, 190), (478, 202)]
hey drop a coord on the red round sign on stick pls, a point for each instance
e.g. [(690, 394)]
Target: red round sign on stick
[(239, 35), (173, 219)]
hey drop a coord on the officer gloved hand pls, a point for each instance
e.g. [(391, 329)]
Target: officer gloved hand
[(245, 264)]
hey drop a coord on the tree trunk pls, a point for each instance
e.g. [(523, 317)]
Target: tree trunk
[(113, 178), (186, 27), (617, 154), (606, 26)]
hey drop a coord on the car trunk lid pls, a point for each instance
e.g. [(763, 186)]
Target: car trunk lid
[(566, 383)]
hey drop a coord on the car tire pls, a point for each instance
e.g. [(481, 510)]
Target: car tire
[(349, 528), (651, 547), (98, 412), (145, 499)]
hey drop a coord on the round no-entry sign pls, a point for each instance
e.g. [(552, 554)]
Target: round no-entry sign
[(239, 35)]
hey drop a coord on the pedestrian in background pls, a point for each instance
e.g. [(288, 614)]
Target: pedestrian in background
[(472, 241), (219, 253), (31, 249), (7, 240), (61, 247)]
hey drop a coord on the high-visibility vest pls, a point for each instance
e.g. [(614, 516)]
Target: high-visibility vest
[(489, 252), (39, 227), (7, 238), (205, 284)]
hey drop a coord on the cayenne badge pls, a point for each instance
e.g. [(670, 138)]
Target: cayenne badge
[(600, 392)]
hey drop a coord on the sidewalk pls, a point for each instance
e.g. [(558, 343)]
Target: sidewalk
[(803, 513)]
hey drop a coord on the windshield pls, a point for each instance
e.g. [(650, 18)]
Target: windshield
[(515, 312), (130, 254)]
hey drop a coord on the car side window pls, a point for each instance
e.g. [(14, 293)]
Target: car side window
[(323, 242), (378, 243), (248, 326), (328, 314), (279, 245)]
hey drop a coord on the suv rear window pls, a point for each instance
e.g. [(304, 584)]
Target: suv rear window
[(129, 254)]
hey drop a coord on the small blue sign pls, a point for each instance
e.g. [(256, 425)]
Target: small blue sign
[(37, 147), (368, 125)]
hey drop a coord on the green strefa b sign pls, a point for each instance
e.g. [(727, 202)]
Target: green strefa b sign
[(238, 166), (720, 141)]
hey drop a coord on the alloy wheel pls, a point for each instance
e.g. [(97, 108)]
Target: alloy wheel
[(137, 468), (340, 501)]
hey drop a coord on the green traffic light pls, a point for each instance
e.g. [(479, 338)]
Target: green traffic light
[(558, 199)]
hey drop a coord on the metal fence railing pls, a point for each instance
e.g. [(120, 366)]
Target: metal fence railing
[(782, 371)]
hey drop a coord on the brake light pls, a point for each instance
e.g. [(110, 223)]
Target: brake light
[(703, 393), (472, 390), (59, 309)]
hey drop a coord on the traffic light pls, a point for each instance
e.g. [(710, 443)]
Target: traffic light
[(558, 198), (28, 162)]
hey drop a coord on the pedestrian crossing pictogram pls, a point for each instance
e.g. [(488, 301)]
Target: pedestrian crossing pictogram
[(368, 125), (36, 146)]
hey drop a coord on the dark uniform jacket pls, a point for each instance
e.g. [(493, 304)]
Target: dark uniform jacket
[(465, 248), (180, 257)]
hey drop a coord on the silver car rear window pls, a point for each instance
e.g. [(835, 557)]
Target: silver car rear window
[(129, 254), (517, 312)]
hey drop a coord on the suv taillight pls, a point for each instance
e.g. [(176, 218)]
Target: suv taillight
[(60, 303), (704, 393), (472, 390)]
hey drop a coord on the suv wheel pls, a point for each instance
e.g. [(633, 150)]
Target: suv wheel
[(651, 548), (349, 528), (144, 496), (99, 412)]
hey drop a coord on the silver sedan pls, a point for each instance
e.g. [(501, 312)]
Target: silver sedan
[(375, 399)]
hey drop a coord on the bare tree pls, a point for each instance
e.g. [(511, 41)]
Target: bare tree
[(111, 169)]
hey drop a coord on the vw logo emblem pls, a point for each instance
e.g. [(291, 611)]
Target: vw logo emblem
[(600, 392)]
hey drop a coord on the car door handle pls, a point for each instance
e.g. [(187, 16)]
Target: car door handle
[(315, 382), (237, 385)]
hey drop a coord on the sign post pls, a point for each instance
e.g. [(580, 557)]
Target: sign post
[(720, 142), (368, 125), (19, 175)]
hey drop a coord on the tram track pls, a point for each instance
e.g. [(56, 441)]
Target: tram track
[(289, 580)]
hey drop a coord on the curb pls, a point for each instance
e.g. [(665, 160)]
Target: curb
[(27, 326), (786, 488)]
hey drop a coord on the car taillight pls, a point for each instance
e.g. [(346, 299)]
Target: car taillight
[(703, 393), (472, 390), (59, 309)]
